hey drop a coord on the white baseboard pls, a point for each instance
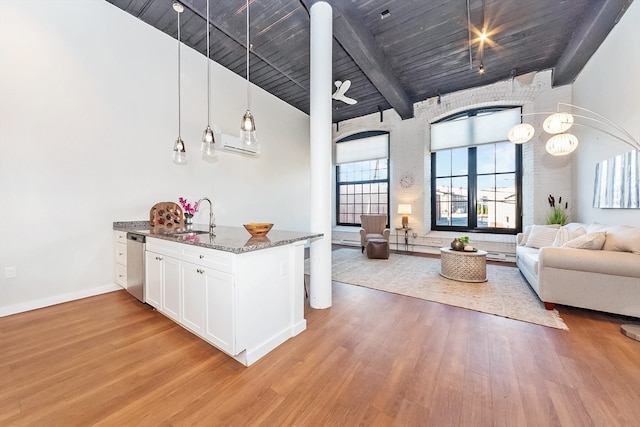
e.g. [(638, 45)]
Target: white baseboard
[(57, 299)]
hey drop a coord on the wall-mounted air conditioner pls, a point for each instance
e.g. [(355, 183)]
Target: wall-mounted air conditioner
[(233, 144)]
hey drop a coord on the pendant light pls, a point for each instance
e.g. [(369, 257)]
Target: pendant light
[(179, 153), (248, 126), (208, 140)]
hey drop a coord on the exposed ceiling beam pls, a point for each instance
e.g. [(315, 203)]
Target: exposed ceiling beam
[(358, 42), (586, 39)]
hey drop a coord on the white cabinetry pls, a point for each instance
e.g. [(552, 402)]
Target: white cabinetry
[(208, 304), (244, 304), (162, 277), (121, 258)]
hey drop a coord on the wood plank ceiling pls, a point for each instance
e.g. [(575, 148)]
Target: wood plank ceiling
[(395, 52)]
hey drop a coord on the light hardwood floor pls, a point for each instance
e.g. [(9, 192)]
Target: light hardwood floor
[(372, 359)]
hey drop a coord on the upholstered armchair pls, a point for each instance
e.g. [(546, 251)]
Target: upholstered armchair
[(373, 227)]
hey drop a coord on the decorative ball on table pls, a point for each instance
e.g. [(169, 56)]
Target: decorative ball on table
[(258, 229)]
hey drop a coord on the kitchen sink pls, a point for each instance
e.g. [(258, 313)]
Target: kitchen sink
[(189, 233)]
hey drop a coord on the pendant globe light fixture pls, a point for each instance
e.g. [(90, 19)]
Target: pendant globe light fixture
[(179, 153), (208, 140), (248, 126), (558, 123)]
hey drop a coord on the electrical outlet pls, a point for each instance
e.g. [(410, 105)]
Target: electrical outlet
[(10, 272)]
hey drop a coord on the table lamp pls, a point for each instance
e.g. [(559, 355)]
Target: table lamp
[(404, 210)]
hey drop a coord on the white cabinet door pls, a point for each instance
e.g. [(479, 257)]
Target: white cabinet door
[(162, 284), (171, 288), (220, 323), (194, 288), (153, 279), (208, 304)]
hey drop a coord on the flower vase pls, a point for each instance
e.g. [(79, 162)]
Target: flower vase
[(457, 244), (188, 223)]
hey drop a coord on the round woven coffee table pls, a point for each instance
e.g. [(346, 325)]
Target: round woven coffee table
[(463, 266)]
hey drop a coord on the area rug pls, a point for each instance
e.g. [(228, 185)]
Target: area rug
[(505, 294)]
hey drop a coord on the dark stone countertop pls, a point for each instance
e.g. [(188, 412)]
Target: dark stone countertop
[(236, 240)]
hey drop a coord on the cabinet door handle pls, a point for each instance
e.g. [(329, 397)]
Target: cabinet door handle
[(200, 271), (158, 258), (201, 256)]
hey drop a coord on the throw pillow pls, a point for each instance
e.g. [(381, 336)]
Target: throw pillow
[(593, 241), (542, 235), (622, 238), (565, 234), (525, 236)]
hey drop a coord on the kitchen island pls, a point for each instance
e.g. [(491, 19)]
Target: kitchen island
[(242, 294)]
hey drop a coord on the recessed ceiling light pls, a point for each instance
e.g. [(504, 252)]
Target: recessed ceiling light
[(385, 14)]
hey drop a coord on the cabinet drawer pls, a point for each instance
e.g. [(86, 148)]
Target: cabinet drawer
[(218, 260), (163, 247), (121, 253), (121, 275), (121, 236)]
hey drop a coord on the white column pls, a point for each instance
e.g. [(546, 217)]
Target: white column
[(320, 127)]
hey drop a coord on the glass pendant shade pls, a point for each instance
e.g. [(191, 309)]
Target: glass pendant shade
[(208, 141), (248, 134), (521, 133), (558, 123), (562, 144), (179, 153)]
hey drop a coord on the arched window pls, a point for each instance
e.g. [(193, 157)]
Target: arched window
[(362, 176), (476, 172)]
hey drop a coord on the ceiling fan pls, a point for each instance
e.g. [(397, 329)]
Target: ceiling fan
[(341, 89)]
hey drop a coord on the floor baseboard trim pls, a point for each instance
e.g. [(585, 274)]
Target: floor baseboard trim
[(57, 299)]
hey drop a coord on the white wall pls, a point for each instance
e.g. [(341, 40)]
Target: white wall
[(610, 85), (88, 111)]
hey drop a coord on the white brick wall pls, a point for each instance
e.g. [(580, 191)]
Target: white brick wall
[(543, 174)]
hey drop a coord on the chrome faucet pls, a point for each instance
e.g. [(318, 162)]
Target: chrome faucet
[(212, 224)]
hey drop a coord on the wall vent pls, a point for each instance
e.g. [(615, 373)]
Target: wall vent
[(233, 144)]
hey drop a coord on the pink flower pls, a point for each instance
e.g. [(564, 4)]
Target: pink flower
[(187, 208)]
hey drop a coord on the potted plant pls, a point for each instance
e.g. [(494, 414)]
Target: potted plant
[(558, 213)]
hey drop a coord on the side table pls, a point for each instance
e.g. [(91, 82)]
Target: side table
[(463, 266), (406, 237)]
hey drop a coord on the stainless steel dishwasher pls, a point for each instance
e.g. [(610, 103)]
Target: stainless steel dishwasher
[(135, 265)]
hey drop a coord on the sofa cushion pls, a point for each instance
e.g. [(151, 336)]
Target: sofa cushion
[(593, 241), (622, 238), (542, 235), (565, 234), (529, 257)]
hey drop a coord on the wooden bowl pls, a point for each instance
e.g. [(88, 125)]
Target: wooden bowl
[(258, 229)]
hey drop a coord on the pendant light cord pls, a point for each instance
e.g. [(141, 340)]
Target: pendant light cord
[(469, 35), (248, 84), (179, 130), (208, 73)]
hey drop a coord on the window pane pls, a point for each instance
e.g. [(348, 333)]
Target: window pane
[(505, 157), (443, 163), (485, 160), (459, 198), (459, 161), (443, 201), (505, 215)]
